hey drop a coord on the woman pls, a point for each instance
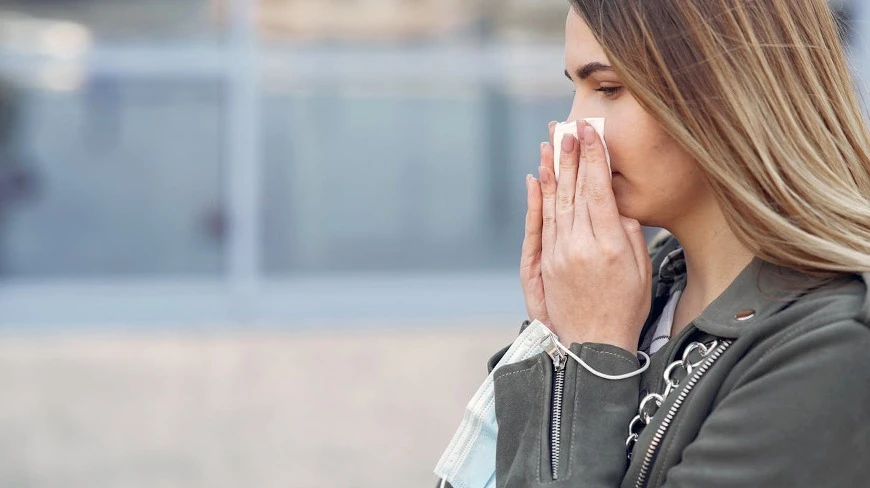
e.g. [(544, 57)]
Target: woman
[(733, 125)]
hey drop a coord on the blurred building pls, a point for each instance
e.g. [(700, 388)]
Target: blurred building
[(378, 20), (411, 20), (223, 159)]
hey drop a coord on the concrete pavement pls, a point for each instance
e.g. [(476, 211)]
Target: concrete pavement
[(325, 408)]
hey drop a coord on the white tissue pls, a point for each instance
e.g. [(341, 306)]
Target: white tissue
[(563, 128)]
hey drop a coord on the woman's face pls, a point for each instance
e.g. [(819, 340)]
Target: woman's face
[(655, 181)]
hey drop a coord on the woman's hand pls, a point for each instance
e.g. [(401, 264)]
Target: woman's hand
[(594, 263), (530, 260)]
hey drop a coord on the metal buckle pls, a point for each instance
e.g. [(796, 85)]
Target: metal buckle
[(632, 425), (671, 382), (632, 435), (703, 351), (641, 410)]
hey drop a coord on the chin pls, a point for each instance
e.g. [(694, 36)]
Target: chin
[(629, 206), (632, 211)]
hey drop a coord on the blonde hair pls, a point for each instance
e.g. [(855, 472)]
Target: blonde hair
[(759, 93)]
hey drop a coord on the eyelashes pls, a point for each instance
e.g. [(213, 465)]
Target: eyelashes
[(607, 91)]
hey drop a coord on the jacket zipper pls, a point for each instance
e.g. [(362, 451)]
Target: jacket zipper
[(672, 412), (559, 361)]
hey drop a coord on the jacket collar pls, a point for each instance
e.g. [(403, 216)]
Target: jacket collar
[(758, 292)]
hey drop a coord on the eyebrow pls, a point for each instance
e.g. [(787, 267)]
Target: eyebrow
[(587, 70)]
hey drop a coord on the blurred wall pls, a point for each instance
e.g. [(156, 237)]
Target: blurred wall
[(169, 160)]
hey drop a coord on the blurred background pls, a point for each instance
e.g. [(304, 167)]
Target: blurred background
[(263, 242)]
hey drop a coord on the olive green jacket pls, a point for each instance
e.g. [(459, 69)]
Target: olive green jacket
[(782, 399)]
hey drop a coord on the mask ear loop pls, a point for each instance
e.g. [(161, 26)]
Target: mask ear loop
[(600, 374)]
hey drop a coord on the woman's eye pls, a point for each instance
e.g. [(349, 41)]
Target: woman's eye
[(609, 91)]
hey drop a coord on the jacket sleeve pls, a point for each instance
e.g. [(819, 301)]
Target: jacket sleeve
[(495, 358), (594, 417), (796, 418)]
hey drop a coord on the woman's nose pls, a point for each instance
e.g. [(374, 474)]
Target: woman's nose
[(583, 107), (578, 115)]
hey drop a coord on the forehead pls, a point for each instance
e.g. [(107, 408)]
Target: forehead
[(580, 45)]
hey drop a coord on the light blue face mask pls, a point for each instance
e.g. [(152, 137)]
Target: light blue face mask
[(469, 461)]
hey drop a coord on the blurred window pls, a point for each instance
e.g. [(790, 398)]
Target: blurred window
[(118, 177), (385, 146), (407, 177)]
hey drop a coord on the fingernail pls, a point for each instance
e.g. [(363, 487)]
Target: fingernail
[(552, 124), (589, 135), (543, 145), (568, 143)]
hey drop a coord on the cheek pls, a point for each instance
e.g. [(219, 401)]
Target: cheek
[(640, 148), (631, 148), (656, 174)]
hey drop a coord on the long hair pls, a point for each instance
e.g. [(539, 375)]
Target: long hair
[(760, 94)]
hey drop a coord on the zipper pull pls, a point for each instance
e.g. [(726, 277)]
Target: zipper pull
[(560, 359)]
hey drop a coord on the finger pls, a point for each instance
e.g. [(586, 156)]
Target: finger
[(552, 130), (582, 222), (597, 189), (548, 204), (634, 233), (547, 186), (566, 186), (532, 241)]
